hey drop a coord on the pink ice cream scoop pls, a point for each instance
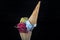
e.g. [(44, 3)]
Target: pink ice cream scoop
[(22, 27)]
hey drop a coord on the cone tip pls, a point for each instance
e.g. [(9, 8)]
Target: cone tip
[(39, 2)]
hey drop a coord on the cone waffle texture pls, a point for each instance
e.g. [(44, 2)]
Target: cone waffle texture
[(34, 16), (26, 36)]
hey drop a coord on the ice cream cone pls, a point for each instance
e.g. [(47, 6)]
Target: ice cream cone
[(26, 36), (33, 20), (34, 15)]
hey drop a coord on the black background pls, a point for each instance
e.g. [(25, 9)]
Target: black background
[(13, 10)]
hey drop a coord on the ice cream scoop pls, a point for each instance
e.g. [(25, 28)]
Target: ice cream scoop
[(23, 19)]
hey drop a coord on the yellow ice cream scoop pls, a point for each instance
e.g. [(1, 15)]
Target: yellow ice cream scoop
[(23, 19)]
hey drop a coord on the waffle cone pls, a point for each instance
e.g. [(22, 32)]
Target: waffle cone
[(26, 36), (34, 15)]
